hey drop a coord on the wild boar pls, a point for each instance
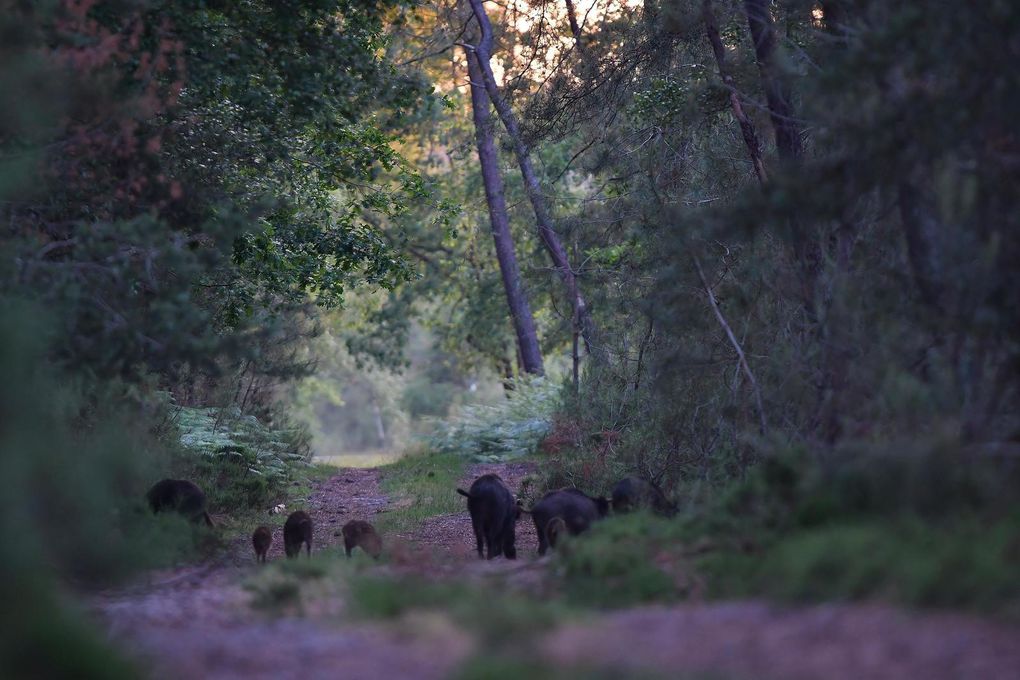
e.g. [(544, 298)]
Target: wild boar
[(262, 539), (494, 512), (359, 534), (633, 493), (571, 509), (554, 530), (181, 496), (297, 530)]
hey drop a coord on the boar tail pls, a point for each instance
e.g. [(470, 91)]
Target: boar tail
[(208, 519), (463, 493)]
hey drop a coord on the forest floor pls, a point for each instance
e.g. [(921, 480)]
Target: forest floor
[(202, 621)]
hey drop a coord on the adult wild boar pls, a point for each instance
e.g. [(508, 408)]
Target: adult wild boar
[(297, 531), (360, 534), (633, 493), (574, 508), (181, 496), (494, 513)]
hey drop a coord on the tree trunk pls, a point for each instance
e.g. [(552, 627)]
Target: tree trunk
[(516, 297), (575, 29), (920, 229), (746, 126), (777, 94), (550, 239), (789, 142), (380, 429)]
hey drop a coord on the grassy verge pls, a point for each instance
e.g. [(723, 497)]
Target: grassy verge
[(420, 486), (958, 563), (964, 564)]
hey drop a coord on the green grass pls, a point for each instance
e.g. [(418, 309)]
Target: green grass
[(962, 563), (965, 564), (495, 615), (420, 486)]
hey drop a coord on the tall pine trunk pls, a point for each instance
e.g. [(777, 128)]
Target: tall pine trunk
[(548, 235), (516, 296)]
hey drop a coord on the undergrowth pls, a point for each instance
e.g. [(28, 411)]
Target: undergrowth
[(240, 462), (497, 616), (512, 428), (931, 529)]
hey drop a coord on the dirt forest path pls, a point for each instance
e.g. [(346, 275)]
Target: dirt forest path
[(198, 622)]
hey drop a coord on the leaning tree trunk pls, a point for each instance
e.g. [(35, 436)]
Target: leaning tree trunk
[(746, 126), (516, 297), (550, 239)]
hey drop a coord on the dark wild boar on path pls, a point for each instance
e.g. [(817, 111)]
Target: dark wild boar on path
[(262, 539), (634, 493), (360, 534), (181, 496), (297, 530), (574, 508), (494, 512)]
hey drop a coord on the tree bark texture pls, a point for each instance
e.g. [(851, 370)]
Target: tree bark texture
[(575, 29), (777, 93), (516, 296), (548, 235), (746, 126), (789, 142)]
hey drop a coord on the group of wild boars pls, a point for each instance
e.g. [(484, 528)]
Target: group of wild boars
[(637, 493), (297, 532), (181, 496), (494, 512), (187, 499), (568, 511)]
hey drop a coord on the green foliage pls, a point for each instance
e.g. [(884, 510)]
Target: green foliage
[(296, 104), (627, 560), (198, 172), (246, 462), (40, 636), (962, 564), (925, 529), (499, 619), (502, 431), (74, 509)]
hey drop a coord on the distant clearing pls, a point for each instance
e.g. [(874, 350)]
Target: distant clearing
[(362, 459)]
